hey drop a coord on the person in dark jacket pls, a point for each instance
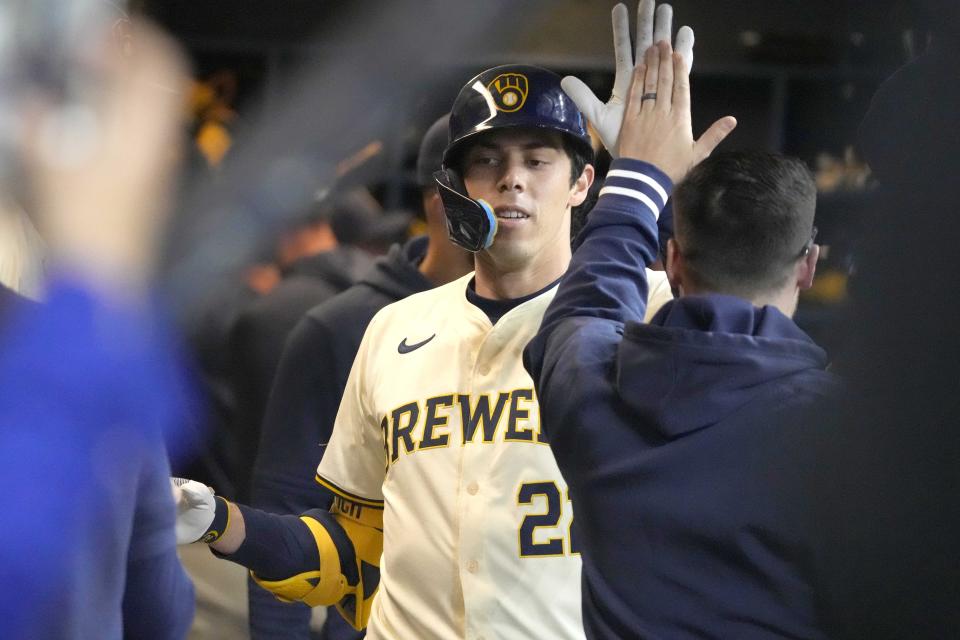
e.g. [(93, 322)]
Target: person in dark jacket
[(313, 372), (669, 433), (322, 265)]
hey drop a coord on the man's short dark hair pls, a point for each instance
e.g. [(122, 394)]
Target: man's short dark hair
[(742, 219)]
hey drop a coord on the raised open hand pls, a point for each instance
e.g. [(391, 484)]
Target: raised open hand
[(656, 126), (652, 26)]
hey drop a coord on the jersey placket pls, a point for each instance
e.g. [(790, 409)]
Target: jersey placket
[(475, 491)]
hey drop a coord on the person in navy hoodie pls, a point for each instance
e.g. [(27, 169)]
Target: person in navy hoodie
[(668, 434)]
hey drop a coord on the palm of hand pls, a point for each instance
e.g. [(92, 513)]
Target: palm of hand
[(652, 26)]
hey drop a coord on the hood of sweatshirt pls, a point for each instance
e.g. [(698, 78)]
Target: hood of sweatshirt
[(340, 267), (396, 274), (702, 358)]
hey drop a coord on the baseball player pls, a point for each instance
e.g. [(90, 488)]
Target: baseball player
[(437, 460)]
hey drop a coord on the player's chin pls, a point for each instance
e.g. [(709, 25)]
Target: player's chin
[(511, 249)]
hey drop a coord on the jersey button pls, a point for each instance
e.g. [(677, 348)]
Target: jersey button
[(472, 488), (473, 566), (485, 370)]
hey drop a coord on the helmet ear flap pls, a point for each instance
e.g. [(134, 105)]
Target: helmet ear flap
[(471, 223)]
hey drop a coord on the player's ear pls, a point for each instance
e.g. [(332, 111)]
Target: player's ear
[(807, 267), (581, 187), (674, 266), (432, 206)]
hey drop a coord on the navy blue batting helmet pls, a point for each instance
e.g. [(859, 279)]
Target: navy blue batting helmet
[(515, 95)]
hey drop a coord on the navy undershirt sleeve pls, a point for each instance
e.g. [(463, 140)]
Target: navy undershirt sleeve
[(276, 546)]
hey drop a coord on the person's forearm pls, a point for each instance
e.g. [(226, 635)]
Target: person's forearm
[(607, 275), (607, 278), (273, 546), (235, 534)]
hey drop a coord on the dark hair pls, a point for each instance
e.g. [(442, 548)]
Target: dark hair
[(742, 219), (578, 215), (579, 156)]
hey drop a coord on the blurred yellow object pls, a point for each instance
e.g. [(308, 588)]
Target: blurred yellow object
[(214, 142), (202, 97), (849, 173), (830, 286), (210, 107), (418, 227)]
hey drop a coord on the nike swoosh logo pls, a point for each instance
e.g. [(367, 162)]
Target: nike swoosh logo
[(403, 347)]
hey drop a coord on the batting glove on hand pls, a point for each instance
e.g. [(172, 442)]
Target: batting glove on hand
[(651, 27), (201, 515)]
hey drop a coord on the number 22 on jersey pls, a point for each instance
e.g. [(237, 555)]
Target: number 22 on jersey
[(541, 533)]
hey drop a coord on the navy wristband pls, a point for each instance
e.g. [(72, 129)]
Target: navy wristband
[(221, 520)]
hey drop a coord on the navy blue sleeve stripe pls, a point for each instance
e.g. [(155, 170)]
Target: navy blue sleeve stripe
[(638, 180), (641, 177)]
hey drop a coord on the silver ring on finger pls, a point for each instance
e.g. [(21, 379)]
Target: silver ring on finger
[(649, 96)]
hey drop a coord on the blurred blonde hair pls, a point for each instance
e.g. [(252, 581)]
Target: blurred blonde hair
[(22, 251)]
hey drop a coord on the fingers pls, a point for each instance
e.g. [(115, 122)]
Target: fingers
[(664, 99), (146, 96), (635, 100), (663, 24), (588, 104), (681, 84), (645, 13), (651, 78), (622, 51), (684, 46), (713, 137), (154, 72)]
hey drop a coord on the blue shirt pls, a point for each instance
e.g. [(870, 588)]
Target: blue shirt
[(88, 392)]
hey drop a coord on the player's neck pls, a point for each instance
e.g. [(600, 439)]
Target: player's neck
[(505, 282), (784, 299)]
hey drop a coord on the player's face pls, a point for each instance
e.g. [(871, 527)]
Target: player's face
[(525, 176)]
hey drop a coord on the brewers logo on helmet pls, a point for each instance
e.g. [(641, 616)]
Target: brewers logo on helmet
[(509, 91)]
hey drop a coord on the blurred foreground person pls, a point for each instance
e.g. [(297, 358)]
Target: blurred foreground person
[(89, 385), (313, 374)]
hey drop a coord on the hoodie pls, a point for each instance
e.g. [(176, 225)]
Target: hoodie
[(672, 438), (258, 335), (303, 406)]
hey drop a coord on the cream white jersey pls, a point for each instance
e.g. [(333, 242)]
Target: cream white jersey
[(439, 425)]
